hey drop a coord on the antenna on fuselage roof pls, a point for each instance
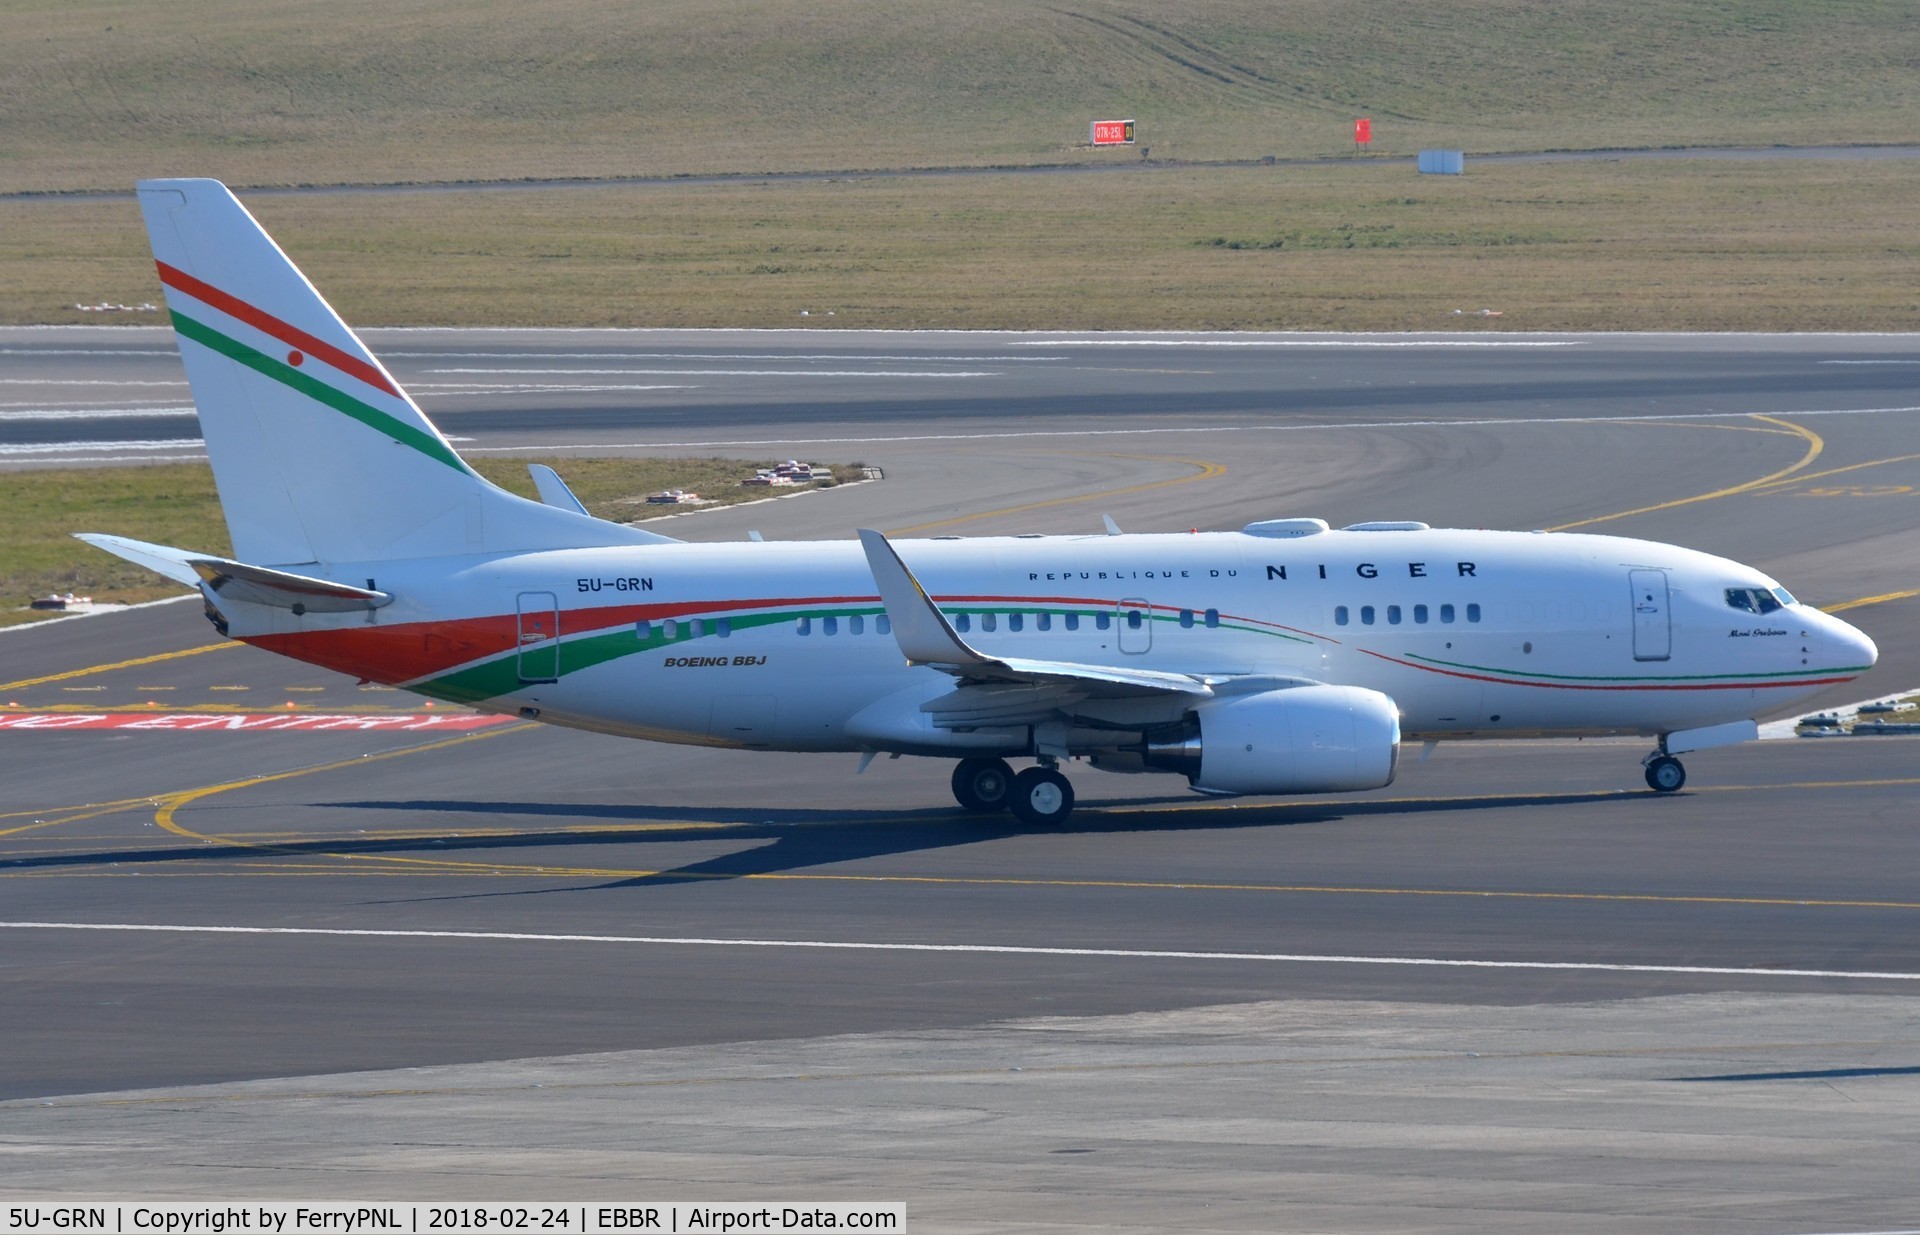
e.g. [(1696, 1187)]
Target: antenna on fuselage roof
[(1113, 529)]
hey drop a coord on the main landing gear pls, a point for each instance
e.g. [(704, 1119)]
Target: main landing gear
[(1664, 773), (1038, 797)]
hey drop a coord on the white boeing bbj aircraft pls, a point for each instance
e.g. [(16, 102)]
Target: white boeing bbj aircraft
[(1283, 658)]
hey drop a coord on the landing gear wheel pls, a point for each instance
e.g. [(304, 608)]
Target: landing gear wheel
[(1665, 775), (982, 785), (1041, 798)]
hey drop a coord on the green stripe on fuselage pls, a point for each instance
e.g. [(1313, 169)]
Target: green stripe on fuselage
[(500, 675)]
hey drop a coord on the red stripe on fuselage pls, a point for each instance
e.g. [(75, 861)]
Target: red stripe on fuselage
[(1645, 685), (266, 323), (414, 650)]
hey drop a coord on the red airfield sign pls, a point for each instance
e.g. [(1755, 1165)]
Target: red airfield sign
[(1111, 133), (1362, 131)]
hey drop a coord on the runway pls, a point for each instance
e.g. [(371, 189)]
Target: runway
[(429, 898)]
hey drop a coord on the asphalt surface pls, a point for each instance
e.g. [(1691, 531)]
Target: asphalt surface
[(1120, 163), (516, 892)]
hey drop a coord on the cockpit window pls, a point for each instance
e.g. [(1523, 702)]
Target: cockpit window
[(1757, 599)]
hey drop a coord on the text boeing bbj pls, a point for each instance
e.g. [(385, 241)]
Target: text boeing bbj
[(1283, 658)]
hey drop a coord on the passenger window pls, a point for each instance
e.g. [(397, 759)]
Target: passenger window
[(1133, 619), (1339, 615), (1014, 621), (1043, 621), (723, 627), (1102, 621), (856, 625), (804, 626), (962, 623), (643, 629), (1446, 614), (1213, 618), (1419, 615), (1393, 615), (1073, 621), (670, 630), (1186, 619), (696, 628), (883, 625), (988, 621), (829, 625), (1473, 613), (1366, 615)]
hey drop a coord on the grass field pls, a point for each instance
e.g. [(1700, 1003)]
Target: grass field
[(1713, 245), (95, 92), (175, 504)]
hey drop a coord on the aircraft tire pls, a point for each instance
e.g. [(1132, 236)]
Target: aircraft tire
[(982, 785), (1041, 798), (1666, 775)]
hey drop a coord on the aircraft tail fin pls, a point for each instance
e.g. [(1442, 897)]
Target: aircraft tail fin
[(318, 453)]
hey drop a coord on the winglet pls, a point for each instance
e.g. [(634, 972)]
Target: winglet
[(919, 627)]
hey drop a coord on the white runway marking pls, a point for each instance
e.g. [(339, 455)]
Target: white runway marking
[(90, 450), (1296, 343), (710, 357), (163, 352), (447, 390), (1262, 428), (81, 381), (94, 413), (730, 372), (968, 948), (73, 403)]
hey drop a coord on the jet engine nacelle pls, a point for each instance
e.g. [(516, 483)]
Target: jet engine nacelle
[(1305, 739)]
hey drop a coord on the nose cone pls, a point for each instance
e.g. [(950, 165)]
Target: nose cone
[(1850, 643)]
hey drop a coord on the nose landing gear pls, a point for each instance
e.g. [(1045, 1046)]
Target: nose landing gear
[(1664, 773)]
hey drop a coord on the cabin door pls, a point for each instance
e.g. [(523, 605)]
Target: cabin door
[(1652, 617), (539, 637)]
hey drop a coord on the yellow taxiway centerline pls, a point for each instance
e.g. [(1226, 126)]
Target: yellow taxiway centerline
[(1815, 446), (119, 664)]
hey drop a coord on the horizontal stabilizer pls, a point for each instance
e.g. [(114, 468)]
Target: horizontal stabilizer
[(233, 580), (553, 490), (555, 493), (160, 559)]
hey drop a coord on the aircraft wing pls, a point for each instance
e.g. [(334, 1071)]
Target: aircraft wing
[(926, 638)]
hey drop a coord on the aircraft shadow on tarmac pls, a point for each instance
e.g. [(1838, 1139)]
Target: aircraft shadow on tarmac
[(800, 839), (797, 839)]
